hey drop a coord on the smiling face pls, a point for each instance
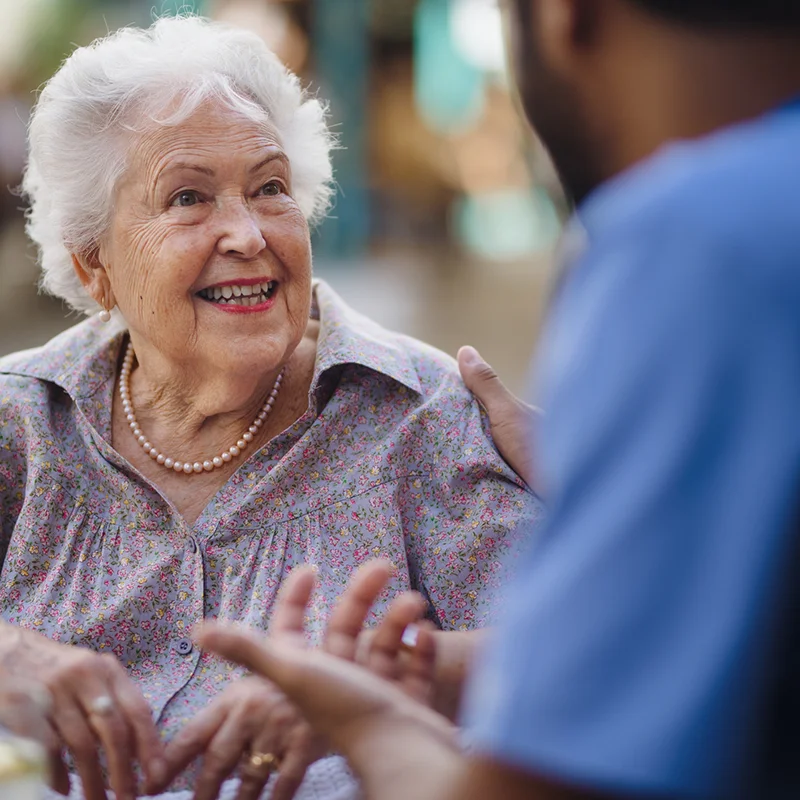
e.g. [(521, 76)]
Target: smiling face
[(208, 256)]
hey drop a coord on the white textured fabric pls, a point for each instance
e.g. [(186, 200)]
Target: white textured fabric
[(328, 779)]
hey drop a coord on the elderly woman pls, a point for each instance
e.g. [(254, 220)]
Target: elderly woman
[(222, 419)]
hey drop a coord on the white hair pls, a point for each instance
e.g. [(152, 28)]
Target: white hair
[(79, 132)]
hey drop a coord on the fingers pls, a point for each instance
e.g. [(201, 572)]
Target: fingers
[(249, 649), (512, 421), (419, 667), (273, 741), (482, 380), (293, 600), (292, 771), (252, 780), (222, 756), (114, 734), (72, 727), (347, 619), (382, 656), (191, 742), (59, 774), (147, 742)]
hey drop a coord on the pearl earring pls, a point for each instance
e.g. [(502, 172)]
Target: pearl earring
[(105, 315)]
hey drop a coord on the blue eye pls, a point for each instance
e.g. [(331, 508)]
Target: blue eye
[(187, 198), (271, 189)]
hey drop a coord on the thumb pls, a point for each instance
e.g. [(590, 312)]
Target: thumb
[(268, 658), (482, 381)]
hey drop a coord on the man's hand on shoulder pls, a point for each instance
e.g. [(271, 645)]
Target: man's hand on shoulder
[(512, 421)]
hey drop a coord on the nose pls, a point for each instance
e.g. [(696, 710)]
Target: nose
[(240, 232)]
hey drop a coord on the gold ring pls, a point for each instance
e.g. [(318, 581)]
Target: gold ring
[(262, 764)]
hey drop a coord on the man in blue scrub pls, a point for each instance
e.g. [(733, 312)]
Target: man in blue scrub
[(651, 646)]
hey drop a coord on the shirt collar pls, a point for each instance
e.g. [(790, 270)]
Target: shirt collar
[(347, 337), (82, 359)]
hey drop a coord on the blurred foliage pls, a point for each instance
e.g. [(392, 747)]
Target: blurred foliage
[(57, 27)]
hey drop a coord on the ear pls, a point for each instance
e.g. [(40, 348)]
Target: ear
[(565, 27), (93, 275)]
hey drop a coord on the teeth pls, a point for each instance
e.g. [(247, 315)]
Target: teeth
[(249, 295)]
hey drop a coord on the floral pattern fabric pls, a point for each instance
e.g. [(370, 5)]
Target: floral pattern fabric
[(391, 459)]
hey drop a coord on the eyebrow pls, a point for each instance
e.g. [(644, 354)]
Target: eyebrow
[(184, 165)]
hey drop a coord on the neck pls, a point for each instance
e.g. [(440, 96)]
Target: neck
[(689, 85), (208, 424)]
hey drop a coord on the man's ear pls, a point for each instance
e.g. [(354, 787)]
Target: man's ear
[(93, 275), (565, 27)]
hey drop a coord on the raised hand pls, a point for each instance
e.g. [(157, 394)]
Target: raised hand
[(333, 694), (382, 650)]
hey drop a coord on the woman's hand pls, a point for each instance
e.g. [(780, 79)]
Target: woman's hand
[(95, 705), (253, 717), (512, 421), (250, 717)]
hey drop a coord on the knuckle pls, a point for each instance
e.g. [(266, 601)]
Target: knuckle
[(216, 763), (109, 660), (283, 715), (80, 665), (137, 711), (486, 373), (82, 746)]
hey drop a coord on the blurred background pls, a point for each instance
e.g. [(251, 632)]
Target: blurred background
[(447, 210)]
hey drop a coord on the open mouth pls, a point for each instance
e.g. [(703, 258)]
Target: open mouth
[(243, 295)]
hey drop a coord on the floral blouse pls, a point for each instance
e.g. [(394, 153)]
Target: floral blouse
[(391, 459)]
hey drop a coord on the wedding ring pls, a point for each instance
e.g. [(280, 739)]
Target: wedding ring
[(262, 764), (102, 706)]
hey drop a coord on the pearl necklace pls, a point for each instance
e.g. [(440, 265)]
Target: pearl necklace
[(187, 467)]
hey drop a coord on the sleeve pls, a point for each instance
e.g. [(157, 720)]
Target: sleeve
[(631, 656), (13, 454), (467, 517)]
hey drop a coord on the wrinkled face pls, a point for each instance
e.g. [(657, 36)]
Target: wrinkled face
[(552, 105), (208, 256)]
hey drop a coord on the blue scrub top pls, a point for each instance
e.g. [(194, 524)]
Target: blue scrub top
[(638, 648)]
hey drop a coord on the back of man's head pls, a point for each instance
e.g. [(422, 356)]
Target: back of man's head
[(766, 15)]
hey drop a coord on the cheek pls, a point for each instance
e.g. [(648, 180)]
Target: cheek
[(158, 267), (289, 239)]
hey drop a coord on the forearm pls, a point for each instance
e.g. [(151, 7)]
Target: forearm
[(398, 757)]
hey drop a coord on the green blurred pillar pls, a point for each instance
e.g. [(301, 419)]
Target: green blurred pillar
[(340, 37)]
